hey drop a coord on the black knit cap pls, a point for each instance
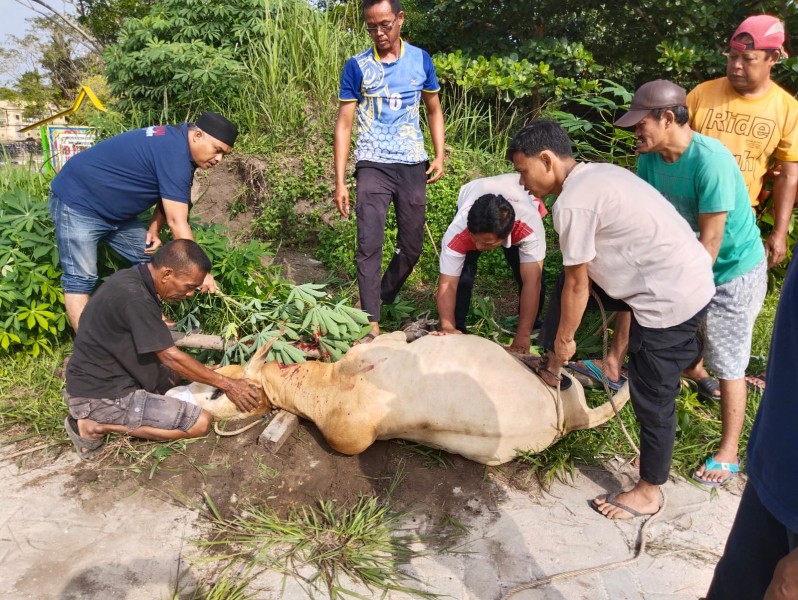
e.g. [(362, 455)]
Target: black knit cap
[(217, 126)]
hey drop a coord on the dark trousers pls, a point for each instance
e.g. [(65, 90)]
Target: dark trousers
[(657, 358), (465, 284), (378, 185), (757, 542)]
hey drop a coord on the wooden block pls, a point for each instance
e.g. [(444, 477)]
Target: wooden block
[(278, 431), (198, 340)]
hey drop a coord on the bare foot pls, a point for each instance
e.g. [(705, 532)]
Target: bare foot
[(611, 368), (640, 500)]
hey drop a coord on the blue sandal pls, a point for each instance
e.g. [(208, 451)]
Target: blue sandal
[(710, 464), (592, 370)]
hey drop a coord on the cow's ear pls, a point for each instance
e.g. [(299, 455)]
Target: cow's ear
[(252, 370)]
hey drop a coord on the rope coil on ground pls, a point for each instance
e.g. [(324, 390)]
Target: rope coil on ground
[(641, 547)]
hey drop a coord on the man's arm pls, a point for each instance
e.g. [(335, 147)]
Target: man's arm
[(785, 185), (710, 232), (176, 216), (784, 585), (153, 238), (177, 219), (341, 144), (575, 294), (447, 298), (435, 119), (242, 393), (530, 299)]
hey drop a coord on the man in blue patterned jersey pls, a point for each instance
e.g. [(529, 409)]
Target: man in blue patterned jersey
[(384, 86)]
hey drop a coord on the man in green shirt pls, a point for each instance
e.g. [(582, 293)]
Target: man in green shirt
[(700, 177)]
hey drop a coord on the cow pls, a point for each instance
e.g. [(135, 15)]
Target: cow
[(460, 393)]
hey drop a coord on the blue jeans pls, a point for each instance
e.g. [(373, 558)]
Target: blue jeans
[(78, 235), (756, 543)]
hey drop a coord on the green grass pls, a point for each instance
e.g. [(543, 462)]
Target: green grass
[(31, 405), (344, 546)]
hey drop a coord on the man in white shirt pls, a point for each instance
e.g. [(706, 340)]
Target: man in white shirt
[(492, 212), (624, 241)]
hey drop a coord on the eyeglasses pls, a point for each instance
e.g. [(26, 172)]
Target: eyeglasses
[(386, 28)]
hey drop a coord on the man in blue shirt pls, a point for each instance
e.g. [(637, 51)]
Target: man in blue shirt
[(384, 86), (761, 555), (99, 193)]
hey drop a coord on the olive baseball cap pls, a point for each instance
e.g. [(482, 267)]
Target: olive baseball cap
[(659, 93)]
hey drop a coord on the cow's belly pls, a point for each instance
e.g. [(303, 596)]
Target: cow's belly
[(464, 394)]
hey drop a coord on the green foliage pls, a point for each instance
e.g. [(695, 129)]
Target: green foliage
[(187, 53), (256, 60), (258, 306), (30, 396), (31, 300), (631, 44), (591, 128), (37, 94), (556, 71), (104, 18)]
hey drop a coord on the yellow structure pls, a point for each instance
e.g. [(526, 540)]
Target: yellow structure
[(85, 92)]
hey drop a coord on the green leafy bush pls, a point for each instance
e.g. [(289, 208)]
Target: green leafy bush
[(32, 314)]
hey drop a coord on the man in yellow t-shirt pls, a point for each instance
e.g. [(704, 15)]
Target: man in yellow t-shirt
[(756, 119)]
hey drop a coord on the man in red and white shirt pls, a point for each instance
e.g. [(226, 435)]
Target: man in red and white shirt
[(492, 212)]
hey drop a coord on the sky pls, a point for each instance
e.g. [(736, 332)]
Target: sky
[(14, 15), (12, 23)]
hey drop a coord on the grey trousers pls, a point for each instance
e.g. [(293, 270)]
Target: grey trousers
[(379, 184)]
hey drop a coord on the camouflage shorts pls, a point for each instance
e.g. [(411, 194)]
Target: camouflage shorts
[(137, 409)]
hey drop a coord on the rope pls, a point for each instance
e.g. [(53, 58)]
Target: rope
[(238, 431), (431, 239), (604, 379), (641, 547)]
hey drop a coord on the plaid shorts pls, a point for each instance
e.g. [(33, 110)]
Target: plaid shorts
[(137, 409), (730, 322)]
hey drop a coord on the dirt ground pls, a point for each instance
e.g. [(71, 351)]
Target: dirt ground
[(235, 472)]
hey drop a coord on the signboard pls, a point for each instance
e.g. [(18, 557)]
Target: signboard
[(64, 142)]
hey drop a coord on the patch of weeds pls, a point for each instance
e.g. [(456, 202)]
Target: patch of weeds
[(144, 456), (396, 312), (238, 203), (340, 545), (229, 585), (30, 396), (432, 457), (266, 471)]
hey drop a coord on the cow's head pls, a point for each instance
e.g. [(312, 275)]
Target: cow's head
[(216, 402)]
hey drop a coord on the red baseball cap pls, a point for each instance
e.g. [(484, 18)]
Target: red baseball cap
[(767, 33)]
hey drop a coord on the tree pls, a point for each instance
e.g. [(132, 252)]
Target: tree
[(633, 42), (104, 18), (95, 22), (32, 88), (186, 53), (64, 19)]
